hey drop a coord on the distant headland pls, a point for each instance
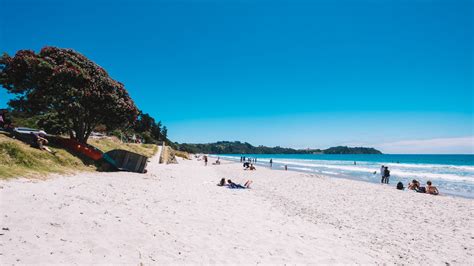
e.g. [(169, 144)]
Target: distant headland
[(237, 147)]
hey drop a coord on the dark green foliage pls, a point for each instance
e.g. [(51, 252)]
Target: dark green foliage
[(150, 130), (237, 147), (348, 150), (23, 119), (69, 93)]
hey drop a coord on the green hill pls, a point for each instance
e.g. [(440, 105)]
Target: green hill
[(237, 147)]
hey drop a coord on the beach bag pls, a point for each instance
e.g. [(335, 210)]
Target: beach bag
[(400, 186), (421, 190)]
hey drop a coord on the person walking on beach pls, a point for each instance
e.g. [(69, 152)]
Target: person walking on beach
[(271, 163), (205, 160)]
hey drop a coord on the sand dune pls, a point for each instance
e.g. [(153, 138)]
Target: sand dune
[(177, 214)]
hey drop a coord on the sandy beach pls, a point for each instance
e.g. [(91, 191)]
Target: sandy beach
[(177, 214)]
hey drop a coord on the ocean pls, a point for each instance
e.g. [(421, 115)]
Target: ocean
[(452, 174)]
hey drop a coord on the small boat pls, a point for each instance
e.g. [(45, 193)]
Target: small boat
[(84, 149)]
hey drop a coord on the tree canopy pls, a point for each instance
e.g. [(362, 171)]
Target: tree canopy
[(149, 129), (71, 93)]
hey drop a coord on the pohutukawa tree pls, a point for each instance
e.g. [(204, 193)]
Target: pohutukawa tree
[(72, 93)]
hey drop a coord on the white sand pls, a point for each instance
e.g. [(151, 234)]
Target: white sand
[(177, 214)]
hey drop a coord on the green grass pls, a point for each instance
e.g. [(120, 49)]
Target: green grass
[(19, 159), (181, 154), (108, 144)]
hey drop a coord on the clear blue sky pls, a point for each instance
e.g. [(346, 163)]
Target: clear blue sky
[(290, 73)]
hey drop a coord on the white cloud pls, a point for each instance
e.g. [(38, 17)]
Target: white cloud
[(426, 146)]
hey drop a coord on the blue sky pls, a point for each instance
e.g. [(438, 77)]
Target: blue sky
[(290, 73)]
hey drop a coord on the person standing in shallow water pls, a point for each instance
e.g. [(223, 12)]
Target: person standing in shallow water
[(386, 174), (271, 162), (382, 173)]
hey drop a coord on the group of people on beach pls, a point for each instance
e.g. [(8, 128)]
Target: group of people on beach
[(249, 166), (206, 160), (413, 185), (231, 184), (248, 159), (416, 186)]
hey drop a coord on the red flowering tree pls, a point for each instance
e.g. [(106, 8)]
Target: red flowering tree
[(71, 93)]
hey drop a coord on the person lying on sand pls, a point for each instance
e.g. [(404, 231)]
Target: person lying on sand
[(431, 189), (231, 184)]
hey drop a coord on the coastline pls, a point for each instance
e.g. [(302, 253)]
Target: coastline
[(451, 177), (177, 214)]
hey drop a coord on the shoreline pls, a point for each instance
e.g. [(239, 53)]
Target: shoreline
[(176, 214), (341, 171)]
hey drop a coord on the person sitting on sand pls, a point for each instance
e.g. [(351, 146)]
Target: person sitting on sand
[(231, 184), (414, 185), (246, 165), (221, 183), (5, 123), (430, 189), (252, 167), (40, 141)]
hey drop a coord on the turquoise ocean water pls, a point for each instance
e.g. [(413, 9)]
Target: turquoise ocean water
[(452, 174)]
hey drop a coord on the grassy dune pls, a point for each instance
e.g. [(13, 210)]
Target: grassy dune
[(113, 143), (20, 159)]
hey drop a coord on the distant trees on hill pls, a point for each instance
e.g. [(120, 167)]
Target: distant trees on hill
[(149, 129), (349, 150), (237, 147)]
